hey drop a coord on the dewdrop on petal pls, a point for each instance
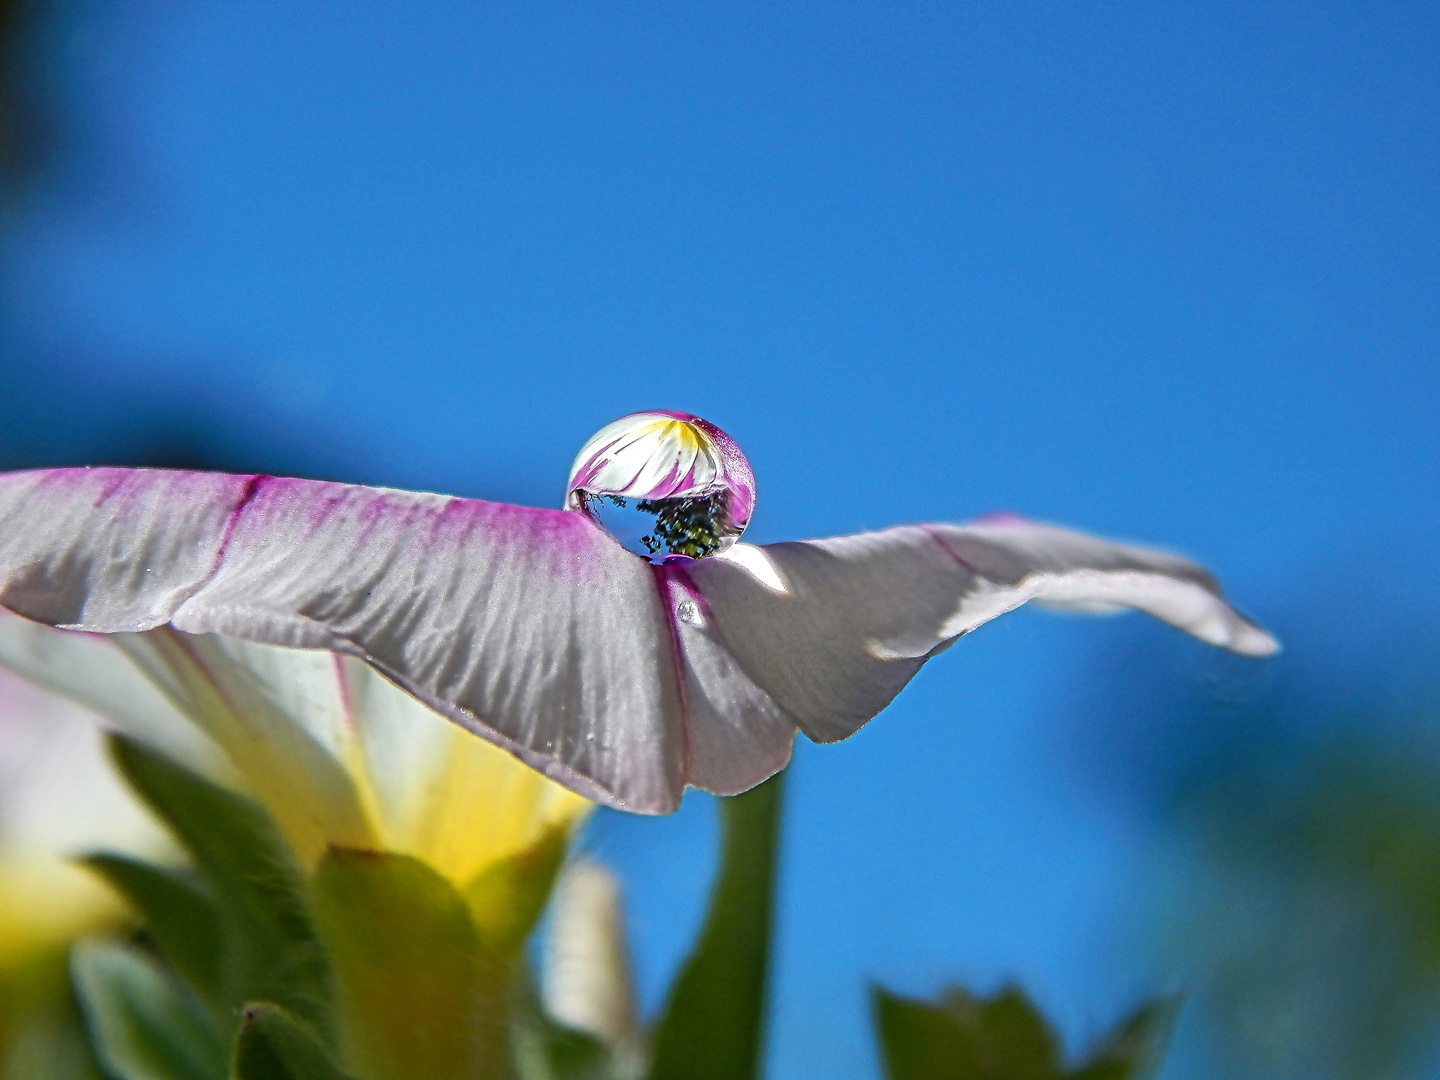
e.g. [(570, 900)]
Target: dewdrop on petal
[(692, 489)]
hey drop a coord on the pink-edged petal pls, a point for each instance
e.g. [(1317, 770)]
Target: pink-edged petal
[(532, 628), (1071, 571), (833, 629), (111, 549)]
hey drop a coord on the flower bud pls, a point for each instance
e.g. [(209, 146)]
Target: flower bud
[(687, 474)]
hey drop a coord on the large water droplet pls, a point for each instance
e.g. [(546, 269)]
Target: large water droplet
[(666, 485)]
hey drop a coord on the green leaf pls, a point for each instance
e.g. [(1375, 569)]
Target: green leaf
[(509, 895), (270, 949), (181, 916), (1135, 1046), (713, 1023), (273, 1045), (417, 996), (923, 1041), (142, 1023), (962, 1036), (42, 1034), (1016, 1039)]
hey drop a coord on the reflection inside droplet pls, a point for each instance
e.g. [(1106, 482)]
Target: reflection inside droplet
[(661, 529)]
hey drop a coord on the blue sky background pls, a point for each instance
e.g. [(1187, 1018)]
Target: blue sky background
[(1163, 271)]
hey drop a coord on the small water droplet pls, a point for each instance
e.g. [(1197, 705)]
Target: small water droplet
[(688, 612)]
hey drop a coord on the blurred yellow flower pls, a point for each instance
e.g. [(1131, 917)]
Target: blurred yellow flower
[(335, 752), (59, 798)]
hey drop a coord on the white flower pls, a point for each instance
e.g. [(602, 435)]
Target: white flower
[(534, 629)]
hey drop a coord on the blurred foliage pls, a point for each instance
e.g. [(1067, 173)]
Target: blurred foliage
[(545, 1049), (41, 1031), (1295, 809), (1309, 903), (142, 1020), (27, 121), (416, 992), (372, 966), (273, 1045), (961, 1036), (712, 1024)]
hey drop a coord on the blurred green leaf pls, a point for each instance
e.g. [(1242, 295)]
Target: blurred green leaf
[(143, 1024), (181, 916), (1136, 1044), (713, 1024), (1309, 903), (962, 1036), (270, 952), (924, 1041), (273, 1045), (508, 896), (417, 996), (42, 1034)]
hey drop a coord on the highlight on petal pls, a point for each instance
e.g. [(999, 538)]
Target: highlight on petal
[(684, 471)]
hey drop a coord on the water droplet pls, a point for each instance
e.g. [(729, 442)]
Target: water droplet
[(666, 485), (688, 612)]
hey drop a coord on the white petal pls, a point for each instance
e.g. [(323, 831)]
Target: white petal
[(281, 718), (535, 630), (588, 984), (454, 801), (735, 735), (59, 798), (94, 671), (58, 792), (860, 614)]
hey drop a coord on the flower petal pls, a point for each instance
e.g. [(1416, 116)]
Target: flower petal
[(588, 982), (94, 671), (281, 717), (453, 801), (111, 549), (531, 628), (59, 798), (735, 735), (832, 629)]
